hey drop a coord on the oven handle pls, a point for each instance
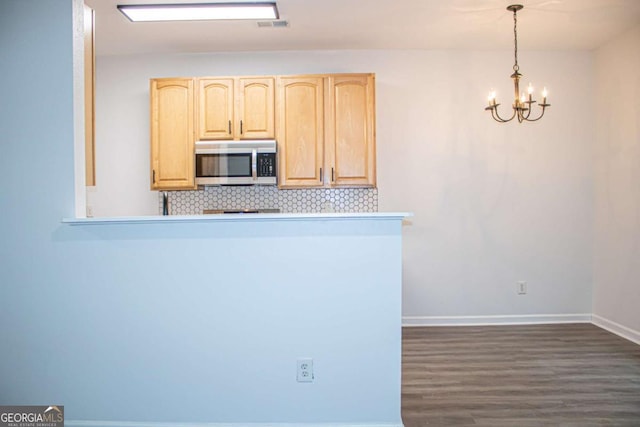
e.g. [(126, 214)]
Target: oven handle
[(254, 164)]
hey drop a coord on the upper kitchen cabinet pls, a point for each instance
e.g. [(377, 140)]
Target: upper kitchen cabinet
[(350, 147), (236, 108), (326, 131), (215, 108), (300, 131), (172, 134), (256, 107)]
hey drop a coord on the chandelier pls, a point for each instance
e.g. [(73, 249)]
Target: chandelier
[(522, 103)]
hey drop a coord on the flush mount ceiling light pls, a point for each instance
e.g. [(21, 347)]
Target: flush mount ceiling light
[(522, 103), (199, 11)]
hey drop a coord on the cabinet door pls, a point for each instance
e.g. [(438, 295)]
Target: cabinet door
[(215, 108), (256, 107), (300, 131), (350, 147), (172, 134)]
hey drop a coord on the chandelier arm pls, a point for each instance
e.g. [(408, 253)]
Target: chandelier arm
[(493, 108), (538, 118), (497, 117)]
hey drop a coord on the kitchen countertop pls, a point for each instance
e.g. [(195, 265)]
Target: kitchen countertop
[(250, 217)]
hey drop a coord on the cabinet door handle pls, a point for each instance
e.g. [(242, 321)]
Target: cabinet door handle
[(332, 176), (321, 175), (154, 176), (240, 127), (229, 127)]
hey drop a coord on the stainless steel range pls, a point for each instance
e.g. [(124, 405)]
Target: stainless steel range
[(240, 211)]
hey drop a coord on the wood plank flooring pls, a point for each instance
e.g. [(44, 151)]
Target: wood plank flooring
[(574, 375)]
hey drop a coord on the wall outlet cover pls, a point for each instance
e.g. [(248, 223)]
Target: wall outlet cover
[(305, 370)]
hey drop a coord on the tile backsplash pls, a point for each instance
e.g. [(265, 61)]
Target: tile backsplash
[(270, 197)]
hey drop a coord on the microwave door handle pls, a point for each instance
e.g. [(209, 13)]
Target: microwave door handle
[(254, 164)]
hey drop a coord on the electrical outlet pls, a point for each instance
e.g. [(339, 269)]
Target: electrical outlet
[(522, 287), (305, 370)]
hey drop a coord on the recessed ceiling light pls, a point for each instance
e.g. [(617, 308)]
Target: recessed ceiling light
[(199, 11)]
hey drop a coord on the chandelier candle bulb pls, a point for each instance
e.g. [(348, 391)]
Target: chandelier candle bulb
[(530, 89), (492, 98)]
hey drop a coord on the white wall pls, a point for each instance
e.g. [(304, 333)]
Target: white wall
[(166, 323), (617, 185), (493, 203)]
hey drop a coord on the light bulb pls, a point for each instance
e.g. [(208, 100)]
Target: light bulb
[(492, 97), (530, 89), (523, 98)]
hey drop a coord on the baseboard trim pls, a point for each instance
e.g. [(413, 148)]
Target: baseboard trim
[(531, 319), (616, 328), (93, 423)]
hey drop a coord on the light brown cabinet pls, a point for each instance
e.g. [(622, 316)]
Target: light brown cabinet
[(172, 134), (325, 126), (350, 149), (236, 108), (326, 131), (215, 108), (300, 131)]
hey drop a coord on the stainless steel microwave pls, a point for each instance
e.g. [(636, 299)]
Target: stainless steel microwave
[(236, 162)]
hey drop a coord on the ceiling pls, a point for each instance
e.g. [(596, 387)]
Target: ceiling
[(375, 24)]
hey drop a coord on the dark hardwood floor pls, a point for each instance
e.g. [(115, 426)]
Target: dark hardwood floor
[(575, 375)]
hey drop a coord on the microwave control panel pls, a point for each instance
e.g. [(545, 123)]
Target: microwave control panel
[(266, 164)]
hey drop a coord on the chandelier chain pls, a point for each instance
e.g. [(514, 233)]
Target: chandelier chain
[(516, 67)]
